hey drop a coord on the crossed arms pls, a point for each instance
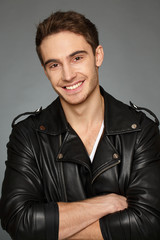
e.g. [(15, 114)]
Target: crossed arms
[(26, 215), (81, 219)]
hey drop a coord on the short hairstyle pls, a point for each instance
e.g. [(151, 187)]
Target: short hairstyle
[(67, 21)]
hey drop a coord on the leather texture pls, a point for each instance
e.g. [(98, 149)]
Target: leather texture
[(47, 162)]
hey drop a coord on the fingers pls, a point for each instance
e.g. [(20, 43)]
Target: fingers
[(117, 202)]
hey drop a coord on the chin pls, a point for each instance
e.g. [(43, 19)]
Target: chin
[(75, 101)]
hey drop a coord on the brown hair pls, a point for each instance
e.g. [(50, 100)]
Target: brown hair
[(67, 21)]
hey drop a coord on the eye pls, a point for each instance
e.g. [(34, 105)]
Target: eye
[(54, 65), (77, 58)]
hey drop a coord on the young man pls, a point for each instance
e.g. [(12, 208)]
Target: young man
[(87, 166)]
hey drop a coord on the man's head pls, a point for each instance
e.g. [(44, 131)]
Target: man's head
[(68, 47), (67, 21)]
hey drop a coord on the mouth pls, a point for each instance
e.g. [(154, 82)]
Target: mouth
[(74, 86)]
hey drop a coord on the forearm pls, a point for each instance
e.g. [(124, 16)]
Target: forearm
[(74, 217), (77, 216), (91, 232)]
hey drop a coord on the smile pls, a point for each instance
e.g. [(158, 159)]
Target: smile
[(74, 86)]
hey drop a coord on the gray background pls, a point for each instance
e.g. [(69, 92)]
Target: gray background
[(129, 32)]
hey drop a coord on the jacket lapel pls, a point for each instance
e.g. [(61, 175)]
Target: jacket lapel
[(73, 150), (105, 158)]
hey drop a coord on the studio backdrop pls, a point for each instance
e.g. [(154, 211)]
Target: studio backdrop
[(129, 31)]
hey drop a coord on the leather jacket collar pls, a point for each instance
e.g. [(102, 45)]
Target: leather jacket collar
[(119, 117)]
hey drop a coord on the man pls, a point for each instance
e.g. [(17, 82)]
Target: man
[(87, 166)]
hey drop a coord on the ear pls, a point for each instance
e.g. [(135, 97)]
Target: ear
[(99, 54)]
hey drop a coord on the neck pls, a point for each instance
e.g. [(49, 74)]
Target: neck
[(86, 114)]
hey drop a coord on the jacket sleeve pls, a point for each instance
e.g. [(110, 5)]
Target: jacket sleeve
[(24, 212), (141, 220)]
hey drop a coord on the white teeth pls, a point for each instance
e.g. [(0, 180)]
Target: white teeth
[(74, 86)]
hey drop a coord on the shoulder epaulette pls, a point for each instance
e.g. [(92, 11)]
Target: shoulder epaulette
[(26, 113), (145, 109)]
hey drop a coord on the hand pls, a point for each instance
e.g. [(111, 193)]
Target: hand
[(116, 202)]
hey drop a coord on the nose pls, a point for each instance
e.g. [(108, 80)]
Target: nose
[(68, 72)]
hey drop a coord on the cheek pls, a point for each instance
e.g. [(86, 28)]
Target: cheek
[(92, 70), (88, 68), (53, 77)]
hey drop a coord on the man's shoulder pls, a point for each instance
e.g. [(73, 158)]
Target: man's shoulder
[(48, 120), (33, 117), (122, 117)]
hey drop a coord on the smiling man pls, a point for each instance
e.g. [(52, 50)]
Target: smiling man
[(87, 166), (71, 66)]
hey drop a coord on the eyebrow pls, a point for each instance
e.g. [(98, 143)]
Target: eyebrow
[(71, 55), (78, 52)]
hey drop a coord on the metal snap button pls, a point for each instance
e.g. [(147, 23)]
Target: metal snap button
[(42, 128), (60, 156), (115, 156), (134, 126)]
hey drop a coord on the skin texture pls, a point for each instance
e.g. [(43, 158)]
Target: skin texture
[(72, 68)]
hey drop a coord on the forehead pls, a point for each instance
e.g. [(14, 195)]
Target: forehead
[(63, 44)]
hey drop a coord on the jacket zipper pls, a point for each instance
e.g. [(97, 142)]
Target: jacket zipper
[(105, 169)]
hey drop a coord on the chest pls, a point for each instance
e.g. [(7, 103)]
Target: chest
[(89, 141), (91, 137), (67, 171)]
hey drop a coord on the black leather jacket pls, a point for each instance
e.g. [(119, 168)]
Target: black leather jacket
[(47, 163)]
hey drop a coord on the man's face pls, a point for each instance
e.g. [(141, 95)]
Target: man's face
[(71, 66)]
